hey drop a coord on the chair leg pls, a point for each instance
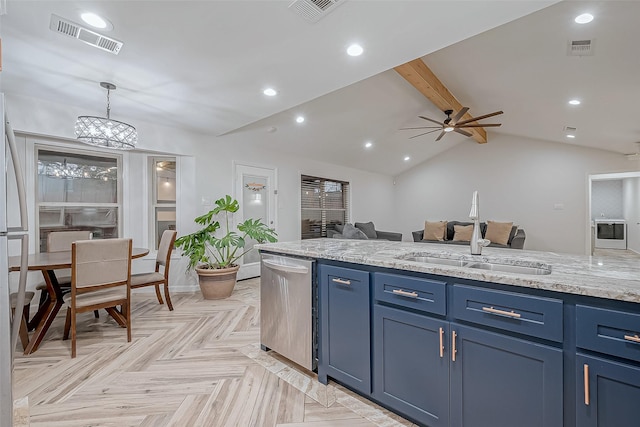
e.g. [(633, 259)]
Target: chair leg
[(73, 335), (67, 325), (158, 294), (24, 335), (167, 297), (127, 312), (96, 314)]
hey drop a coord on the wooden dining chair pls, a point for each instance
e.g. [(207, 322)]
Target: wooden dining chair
[(100, 278), (58, 241), (156, 278)]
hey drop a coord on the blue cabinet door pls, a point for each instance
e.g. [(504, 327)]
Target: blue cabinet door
[(610, 396), (411, 370), (497, 380), (345, 351)]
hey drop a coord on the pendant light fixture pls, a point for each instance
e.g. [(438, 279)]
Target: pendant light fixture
[(105, 132)]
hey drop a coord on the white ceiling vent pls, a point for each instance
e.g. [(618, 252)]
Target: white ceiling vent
[(313, 10), (71, 29), (580, 47)]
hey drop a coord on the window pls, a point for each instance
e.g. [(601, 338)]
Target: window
[(163, 199), (77, 191), (325, 203)]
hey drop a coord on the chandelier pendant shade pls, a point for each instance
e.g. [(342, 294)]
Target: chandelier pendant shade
[(105, 132)]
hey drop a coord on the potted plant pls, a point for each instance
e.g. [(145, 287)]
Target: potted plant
[(214, 249)]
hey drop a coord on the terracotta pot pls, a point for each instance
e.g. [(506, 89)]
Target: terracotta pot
[(217, 283)]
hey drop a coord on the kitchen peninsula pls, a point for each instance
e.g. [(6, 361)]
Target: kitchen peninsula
[(445, 338)]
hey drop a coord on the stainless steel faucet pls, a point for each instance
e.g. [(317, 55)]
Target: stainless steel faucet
[(477, 242)]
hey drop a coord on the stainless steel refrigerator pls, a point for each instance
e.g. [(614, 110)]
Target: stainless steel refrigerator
[(11, 184)]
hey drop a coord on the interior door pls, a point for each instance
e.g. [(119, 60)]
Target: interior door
[(255, 189)]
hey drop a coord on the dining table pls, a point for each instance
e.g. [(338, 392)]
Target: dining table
[(48, 263)]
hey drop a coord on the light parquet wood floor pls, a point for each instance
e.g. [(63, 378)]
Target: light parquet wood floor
[(199, 365)]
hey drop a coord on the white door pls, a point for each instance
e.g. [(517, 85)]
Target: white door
[(255, 189)]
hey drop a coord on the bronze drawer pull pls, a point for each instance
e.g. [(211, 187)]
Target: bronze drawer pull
[(632, 338), (342, 281), (586, 384), (502, 312), (453, 346), (405, 293)]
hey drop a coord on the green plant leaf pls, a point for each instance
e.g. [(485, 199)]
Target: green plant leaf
[(205, 247)]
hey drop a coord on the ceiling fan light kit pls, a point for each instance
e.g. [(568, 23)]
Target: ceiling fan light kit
[(455, 124)]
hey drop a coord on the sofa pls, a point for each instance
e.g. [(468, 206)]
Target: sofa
[(362, 231), (515, 241)]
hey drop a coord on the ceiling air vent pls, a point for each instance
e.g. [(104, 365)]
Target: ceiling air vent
[(580, 47), (71, 29), (313, 10)]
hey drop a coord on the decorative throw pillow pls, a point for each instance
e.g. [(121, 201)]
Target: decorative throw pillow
[(498, 232), (367, 228), (350, 232), (462, 233), (435, 230)]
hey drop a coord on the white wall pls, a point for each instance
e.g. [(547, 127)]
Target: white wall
[(541, 186), (631, 192)]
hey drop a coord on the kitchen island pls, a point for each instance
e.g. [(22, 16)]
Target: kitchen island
[(445, 338)]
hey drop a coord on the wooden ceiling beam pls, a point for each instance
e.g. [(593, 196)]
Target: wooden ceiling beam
[(422, 78)]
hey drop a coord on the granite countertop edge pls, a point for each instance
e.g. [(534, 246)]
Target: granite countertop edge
[(596, 276)]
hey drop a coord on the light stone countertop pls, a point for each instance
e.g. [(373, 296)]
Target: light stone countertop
[(597, 276)]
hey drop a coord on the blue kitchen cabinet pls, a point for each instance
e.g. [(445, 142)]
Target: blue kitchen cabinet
[(499, 380), (607, 393), (411, 364), (345, 344), (607, 390)]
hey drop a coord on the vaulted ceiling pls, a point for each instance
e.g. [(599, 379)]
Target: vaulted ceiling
[(202, 66)]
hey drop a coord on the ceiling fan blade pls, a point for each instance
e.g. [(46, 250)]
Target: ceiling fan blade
[(431, 131), (463, 132), (475, 119), (422, 127), (431, 120), (440, 136), (488, 125), (458, 116)]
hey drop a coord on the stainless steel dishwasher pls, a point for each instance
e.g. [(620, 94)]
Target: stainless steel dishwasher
[(287, 310)]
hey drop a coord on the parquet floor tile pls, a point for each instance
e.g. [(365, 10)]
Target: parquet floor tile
[(199, 365)]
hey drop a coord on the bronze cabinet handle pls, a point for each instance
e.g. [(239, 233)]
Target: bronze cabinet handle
[(405, 293), (502, 312)]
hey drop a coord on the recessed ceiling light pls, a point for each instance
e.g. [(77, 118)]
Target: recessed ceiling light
[(355, 50), (270, 92), (94, 20), (571, 136), (585, 18), (368, 144), (299, 119), (574, 102), (407, 158)]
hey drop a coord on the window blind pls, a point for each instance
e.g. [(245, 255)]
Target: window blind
[(324, 204)]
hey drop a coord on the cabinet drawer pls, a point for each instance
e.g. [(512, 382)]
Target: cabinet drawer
[(420, 294), (608, 331), (525, 314)]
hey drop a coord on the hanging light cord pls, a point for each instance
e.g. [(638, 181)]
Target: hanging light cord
[(108, 103)]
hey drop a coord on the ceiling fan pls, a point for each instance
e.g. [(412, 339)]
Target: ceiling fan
[(453, 124)]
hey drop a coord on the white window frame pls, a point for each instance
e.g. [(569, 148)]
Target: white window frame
[(64, 150), (153, 197)]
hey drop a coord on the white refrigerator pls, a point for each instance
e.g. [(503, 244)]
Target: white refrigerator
[(11, 178)]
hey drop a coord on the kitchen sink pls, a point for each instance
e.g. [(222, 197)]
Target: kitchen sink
[(435, 260), (508, 268), (490, 266)]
